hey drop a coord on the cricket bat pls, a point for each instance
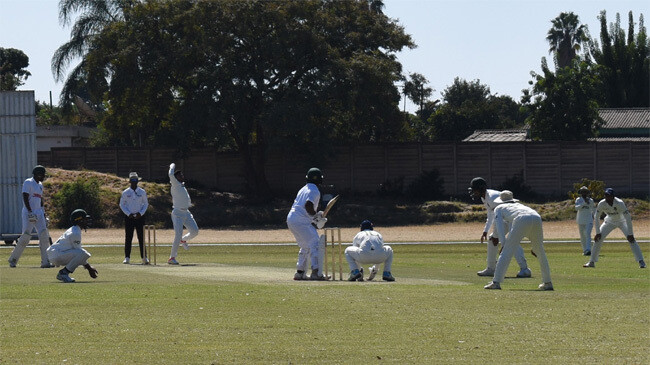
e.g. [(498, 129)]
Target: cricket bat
[(330, 204)]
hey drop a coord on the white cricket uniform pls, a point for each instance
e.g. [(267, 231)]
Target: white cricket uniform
[(35, 191), (67, 251), (523, 222), (300, 224), (617, 216), (368, 248), (134, 201), (492, 250), (585, 220), (181, 215)]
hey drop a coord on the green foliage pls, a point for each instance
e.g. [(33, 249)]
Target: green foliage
[(565, 106), (13, 73), (624, 61), (81, 193), (469, 106), (428, 186), (566, 37), (596, 189)]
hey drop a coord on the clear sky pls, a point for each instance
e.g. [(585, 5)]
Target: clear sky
[(498, 42)]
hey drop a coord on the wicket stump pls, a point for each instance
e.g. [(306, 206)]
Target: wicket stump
[(330, 237), (148, 229)]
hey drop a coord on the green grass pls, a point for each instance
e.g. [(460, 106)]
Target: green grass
[(436, 311)]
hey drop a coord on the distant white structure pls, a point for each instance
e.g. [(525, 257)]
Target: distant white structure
[(51, 136), (17, 157)]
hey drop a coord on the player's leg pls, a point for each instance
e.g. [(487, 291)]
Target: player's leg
[(353, 257), (584, 236), (491, 262), (513, 240), (634, 246), (388, 263), (139, 231), (190, 224), (536, 235), (23, 240), (303, 252), (128, 238), (71, 259), (177, 223), (524, 271), (605, 229)]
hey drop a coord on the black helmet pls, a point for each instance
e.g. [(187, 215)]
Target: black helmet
[(78, 215), (38, 169), (478, 183), (366, 225), (314, 175)]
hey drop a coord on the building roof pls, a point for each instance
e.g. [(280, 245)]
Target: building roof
[(625, 118), (499, 135), (621, 124)]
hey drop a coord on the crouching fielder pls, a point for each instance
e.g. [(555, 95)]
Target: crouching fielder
[(67, 251), (617, 217), (368, 248), (524, 222)]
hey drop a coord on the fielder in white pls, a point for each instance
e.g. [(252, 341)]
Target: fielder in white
[(478, 189), (302, 220), (368, 248), (33, 216), (181, 215), (523, 222), (67, 251), (585, 207), (617, 216)]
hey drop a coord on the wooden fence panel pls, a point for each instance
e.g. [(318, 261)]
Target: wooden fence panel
[(549, 168)]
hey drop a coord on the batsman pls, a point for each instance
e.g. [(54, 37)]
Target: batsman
[(303, 221)]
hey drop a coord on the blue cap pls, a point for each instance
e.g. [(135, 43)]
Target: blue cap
[(366, 225), (609, 191)]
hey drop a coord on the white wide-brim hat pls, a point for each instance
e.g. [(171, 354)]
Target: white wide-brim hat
[(505, 197), (134, 176)]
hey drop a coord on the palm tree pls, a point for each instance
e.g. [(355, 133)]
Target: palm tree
[(376, 6), (566, 37), (94, 17)]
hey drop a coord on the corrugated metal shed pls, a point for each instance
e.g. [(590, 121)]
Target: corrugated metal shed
[(498, 135), (625, 118), (17, 156)]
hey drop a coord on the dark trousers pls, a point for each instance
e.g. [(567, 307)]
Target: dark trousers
[(129, 225)]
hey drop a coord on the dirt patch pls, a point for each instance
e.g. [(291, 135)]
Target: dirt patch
[(437, 232)]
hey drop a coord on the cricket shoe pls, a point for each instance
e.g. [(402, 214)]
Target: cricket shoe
[(300, 275), (47, 265), (493, 285), (355, 275), (642, 264), (586, 253), (172, 261), (524, 273), (546, 286), (64, 277), (487, 272), (314, 276), (145, 261), (185, 245), (387, 276), (126, 260), (12, 262), (589, 264), (373, 272)]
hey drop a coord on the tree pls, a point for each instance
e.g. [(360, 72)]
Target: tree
[(565, 106), (566, 38), (624, 61), (416, 89), (468, 106), (256, 76), (13, 73)]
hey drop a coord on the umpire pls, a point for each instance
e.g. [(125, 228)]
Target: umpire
[(134, 204)]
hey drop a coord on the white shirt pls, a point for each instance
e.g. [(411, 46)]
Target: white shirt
[(616, 213), (488, 201), (35, 191), (309, 193), (180, 196), (505, 214), (70, 239), (585, 209), (368, 240), (134, 201)]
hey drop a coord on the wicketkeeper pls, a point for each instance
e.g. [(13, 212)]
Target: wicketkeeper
[(67, 249), (368, 248)]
